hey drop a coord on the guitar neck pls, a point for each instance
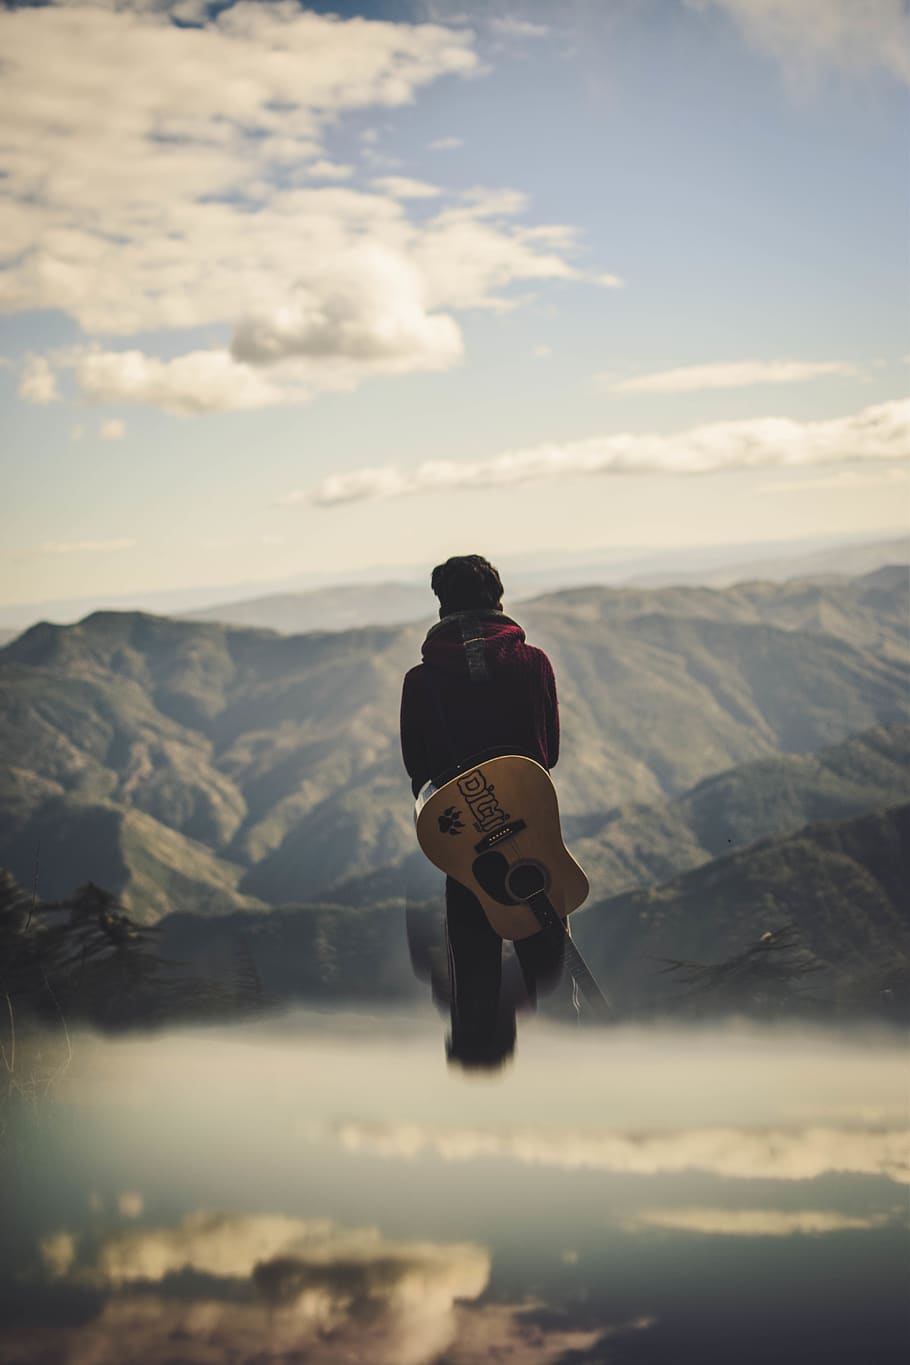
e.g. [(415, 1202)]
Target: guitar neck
[(543, 910)]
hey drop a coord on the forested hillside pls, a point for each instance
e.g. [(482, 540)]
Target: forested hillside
[(841, 887), (834, 894)]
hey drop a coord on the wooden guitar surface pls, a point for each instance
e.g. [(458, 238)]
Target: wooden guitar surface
[(495, 829)]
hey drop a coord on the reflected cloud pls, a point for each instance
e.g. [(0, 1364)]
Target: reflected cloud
[(130, 1204), (756, 1222), (266, 1289), (739, 1153), (210, 1332), (273, 1286), (526, 1335), (58, 1252), (216, 1244)]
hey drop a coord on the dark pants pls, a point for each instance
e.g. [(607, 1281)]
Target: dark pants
[(483, 1005)]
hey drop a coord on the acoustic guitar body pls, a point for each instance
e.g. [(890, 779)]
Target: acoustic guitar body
[(495, 829)]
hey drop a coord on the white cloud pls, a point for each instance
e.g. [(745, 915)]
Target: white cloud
[(368, 306), (361, 302), (511, 26), (329, 170), (732, 1153), (129, 147), (542, 351), (359, 486), (84, 547), (736, 375), (201, 381), (156, 177), (881, 432), (38, 383), (855, 34), (470, 253), (757, 1222), (607, 281), (113, 430), (400, 187), (445, 144), (365, 314)]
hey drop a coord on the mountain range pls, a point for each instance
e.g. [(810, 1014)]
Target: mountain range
[(825, 562), (347, 606), (191, 765), (638, 845)]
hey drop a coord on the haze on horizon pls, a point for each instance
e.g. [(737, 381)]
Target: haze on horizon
[(290, 292)]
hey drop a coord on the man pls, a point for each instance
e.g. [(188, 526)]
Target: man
[(480, 690)]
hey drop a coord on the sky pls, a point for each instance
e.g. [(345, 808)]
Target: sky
[(314, 290)]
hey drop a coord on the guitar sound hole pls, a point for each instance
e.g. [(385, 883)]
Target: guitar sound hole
[(525, 880)]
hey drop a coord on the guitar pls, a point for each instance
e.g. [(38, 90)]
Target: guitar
[(495, 829)]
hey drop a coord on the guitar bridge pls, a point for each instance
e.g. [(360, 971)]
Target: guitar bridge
[(498, 835)]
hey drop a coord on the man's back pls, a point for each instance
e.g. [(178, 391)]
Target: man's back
[(480, 687)]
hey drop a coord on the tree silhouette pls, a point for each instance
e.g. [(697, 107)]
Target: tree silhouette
[(770, 977)]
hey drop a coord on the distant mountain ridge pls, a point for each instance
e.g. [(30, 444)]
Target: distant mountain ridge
[(345, 607), (355, 605), (351, 605), (401, 595), (831, 562), (278, 755), (866, 611)]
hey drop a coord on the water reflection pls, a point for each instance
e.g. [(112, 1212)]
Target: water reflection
[(315, 1189), (233, 1286), (737, 1153)]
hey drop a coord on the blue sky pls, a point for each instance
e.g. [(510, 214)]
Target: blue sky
[(291, 294)]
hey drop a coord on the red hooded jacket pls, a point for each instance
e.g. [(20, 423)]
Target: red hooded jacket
[(480, 687)]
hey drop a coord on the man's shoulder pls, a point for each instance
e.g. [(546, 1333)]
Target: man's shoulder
[(534, 654)]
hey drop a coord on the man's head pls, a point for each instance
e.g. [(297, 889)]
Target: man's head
[(466, 583)]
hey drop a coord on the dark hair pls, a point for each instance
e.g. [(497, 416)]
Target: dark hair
[(466, 583)]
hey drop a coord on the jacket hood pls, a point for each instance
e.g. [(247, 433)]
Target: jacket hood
[(474, 644)]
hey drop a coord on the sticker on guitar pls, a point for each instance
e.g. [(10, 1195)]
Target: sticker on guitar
[(480, 795), (450, 822)]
